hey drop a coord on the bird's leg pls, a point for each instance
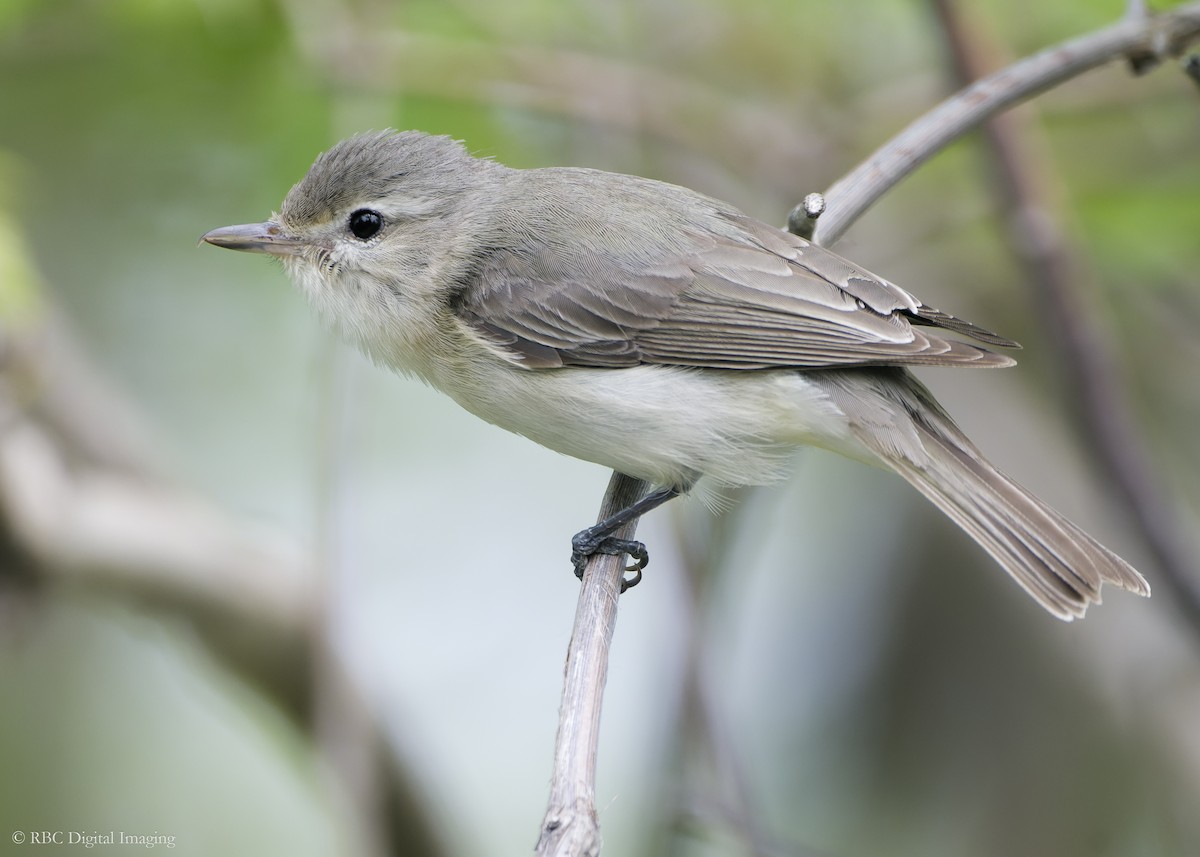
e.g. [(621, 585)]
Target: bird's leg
[(596, 539)]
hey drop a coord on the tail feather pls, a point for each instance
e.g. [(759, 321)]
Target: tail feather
[(1057, 563), (1051, 558)]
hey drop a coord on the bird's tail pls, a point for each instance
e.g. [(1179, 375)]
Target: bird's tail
[(897, 419)]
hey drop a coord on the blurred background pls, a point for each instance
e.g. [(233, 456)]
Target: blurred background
[(264, 598)]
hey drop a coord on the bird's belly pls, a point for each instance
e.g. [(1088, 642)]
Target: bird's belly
[(664, 424)]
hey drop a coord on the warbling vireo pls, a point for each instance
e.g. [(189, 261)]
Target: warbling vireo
[(653, 330)]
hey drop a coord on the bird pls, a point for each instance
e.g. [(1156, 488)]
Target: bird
[(656, 331)]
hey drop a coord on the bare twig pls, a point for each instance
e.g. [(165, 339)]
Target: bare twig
[(1166, 34), (571, 825), (1022, 183)]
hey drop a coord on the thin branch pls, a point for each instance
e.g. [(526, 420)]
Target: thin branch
[(572, 825), (1021, 184), (1166, 34)]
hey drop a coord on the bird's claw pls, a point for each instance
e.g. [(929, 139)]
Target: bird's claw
[(584, 545)]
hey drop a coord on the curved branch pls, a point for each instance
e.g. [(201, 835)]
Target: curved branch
[(1145, 37)]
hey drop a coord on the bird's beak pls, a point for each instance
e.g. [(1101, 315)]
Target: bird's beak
[(267, 237)]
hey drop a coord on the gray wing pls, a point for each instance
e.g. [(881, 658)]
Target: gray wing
[(753, 297)]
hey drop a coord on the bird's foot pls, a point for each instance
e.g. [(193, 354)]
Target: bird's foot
[(587, 543)]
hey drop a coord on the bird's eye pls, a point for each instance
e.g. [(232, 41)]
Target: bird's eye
[(364, 223)]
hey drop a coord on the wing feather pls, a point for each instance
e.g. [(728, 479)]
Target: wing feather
[(730, 293)]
